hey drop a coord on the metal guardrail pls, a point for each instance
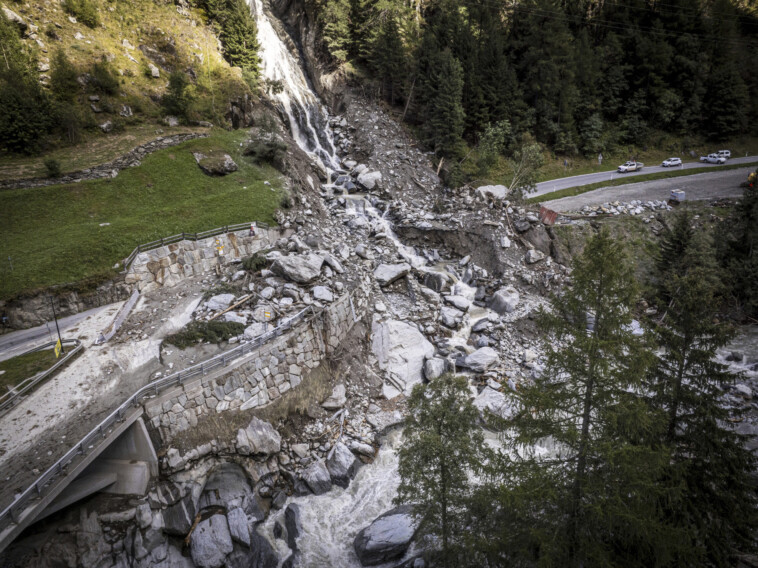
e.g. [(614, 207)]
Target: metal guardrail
[(11, 514), (187, 237), (9, 399)]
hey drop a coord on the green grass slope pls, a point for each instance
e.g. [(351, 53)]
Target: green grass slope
[(54, 234)]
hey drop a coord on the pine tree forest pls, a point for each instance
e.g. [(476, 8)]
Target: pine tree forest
[(578, 76)]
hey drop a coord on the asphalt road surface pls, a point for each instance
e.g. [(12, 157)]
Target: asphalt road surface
[(698, 186), (574, 181), (15, 342)]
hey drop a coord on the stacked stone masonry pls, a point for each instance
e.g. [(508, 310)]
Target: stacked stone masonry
[(167, 265), (262, 376)]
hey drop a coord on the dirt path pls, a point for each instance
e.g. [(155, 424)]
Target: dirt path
[(697, 187)]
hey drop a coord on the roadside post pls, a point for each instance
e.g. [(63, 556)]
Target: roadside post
[(59, 345)]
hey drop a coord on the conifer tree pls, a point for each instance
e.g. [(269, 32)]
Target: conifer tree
[(593, 501), (710, 465), (388, 59), (444, 116), (443, 447)]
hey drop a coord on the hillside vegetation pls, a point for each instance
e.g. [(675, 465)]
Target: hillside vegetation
[(579, 78), (67, 233)]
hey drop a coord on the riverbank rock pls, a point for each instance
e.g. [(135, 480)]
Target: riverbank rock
[(481, 359), (387, 538), (370, 180), (505, 300), (401, 350), (301, 269), (292, 524), (494, 191), (386, 274), (259, 438), (493, 401), (342, 465), (211, 542), (434, 368), (317, 478), (228, 487)]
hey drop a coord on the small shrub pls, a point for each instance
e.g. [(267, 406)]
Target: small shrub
[(286, 201), (255, 263), (53, 168), (104, 78), (176, 101), (266, 147), (202, 331), (63, 78), (223, 288), (83, 10)]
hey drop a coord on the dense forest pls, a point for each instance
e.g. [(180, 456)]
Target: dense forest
[(580, 76)]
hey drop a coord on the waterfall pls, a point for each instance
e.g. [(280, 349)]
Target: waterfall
[(308, 119)]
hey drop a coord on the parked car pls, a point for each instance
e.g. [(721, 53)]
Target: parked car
[(713, 159), (724, 154), (671, 162), (630, 167)]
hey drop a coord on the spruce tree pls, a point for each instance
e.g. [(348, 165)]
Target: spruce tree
[(388, 59), (710, 465), (593, 501), (443, 447), (444, 116)]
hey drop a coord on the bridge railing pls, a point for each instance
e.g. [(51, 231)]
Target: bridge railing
[(187, 237), (10, 398), (11, 514)]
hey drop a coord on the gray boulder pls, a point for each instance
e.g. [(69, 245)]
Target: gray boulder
[(317, 478), (301, 269), (386, 274), (387, 538), (332, 262), (216, 165), (254, 330), (219, 302), (533, 256), (342, 465), (211, 542), (155, 73), (505, 300), (538, 237), (459, 302), (178, 518), (493, 191), (434, 368), (401, 350), (337, 399), (450, 317), (323, 294), (493, 401), (481, 359), (436, 281), (228, 487), (14, 18), (370, 180), (259, 438), (239, 527)]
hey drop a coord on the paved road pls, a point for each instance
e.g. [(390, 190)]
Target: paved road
[(574, 181), (697, 186), (15, 342)]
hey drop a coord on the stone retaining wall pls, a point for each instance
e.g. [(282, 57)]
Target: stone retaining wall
[(167, 265), (262, 376)]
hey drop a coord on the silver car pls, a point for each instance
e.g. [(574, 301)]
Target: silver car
[(671, 162)]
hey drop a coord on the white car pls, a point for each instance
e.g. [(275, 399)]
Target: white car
[(713, 159), (724, 154), (630, 167), (671, 162)]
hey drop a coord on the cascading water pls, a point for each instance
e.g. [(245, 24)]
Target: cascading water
[(307, 117)]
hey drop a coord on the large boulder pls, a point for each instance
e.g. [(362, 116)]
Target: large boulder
[(450, 317), (493, 401), (504, 300), (386, 274), (401, 350), (178, 518), (211, 542), (254, 330), (436, 280), (481, 359), (533, 256), (370, 180), (14, 18), (219, 302), (342, 465), (459, 302), (387, 538), (301, 269), (228, 487), (493, 191), (538, 237), (434, 368), (292, 524), (259, 438), (317, 478), (215, 165), (338, 398)]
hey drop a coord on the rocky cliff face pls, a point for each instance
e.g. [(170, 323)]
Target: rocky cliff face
[(299, 21)]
